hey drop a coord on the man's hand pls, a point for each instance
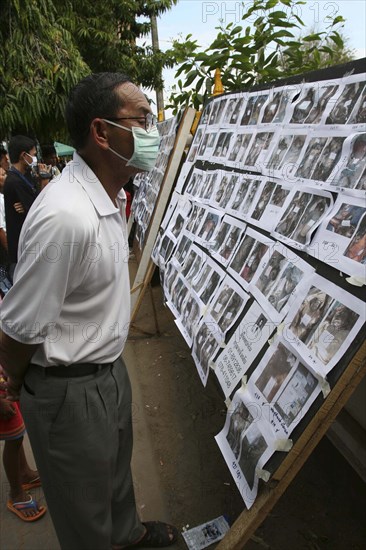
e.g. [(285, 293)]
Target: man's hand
[(44, 175), (14, 358), (7, 409), (44, 167), (19, 207), (2, 379), (9, 385), (13, 388)]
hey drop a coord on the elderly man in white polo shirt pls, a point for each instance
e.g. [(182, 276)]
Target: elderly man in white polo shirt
[(65, 322)]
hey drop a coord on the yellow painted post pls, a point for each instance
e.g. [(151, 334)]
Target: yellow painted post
[(161, 116), (196, 122), (218, 87)]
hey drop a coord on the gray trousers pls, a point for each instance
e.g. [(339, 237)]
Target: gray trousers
[(80, 431)]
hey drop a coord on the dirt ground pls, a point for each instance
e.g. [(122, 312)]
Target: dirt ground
[(324, 507)]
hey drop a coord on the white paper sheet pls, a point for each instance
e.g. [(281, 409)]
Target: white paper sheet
[(283, 155), (322, 324), (244, 446), (210, 223), (315, 102), (248, 255), (341, 239), (226, 239), (206, 534), (239, 147), (194, 183), (283, 388), (225, 305), (347, 105), (234, 109), (278, 108), (243, 347), (179, 291), (207, 144), (208, 279), (205, 347), (303, 211), (321, 156), (258, 149), (189, 315), (278, 279), (349, 173), (266, 207), (218, 106), (243, 196)]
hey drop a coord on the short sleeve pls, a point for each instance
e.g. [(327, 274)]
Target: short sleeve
[(50, 266)]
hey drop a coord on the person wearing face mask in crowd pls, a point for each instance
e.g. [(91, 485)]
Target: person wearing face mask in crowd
[(4, 167), (49, 157), (71, 305), (20, 191)]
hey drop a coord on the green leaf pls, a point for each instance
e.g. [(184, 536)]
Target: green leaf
[(285, 24), (282, 34), (183, 68), (312, 38), (190, 77), (278, 15), (300, 21), (327, 50), (201, 56), (316, 55), (337, 39), (200, 83), (271, 4)]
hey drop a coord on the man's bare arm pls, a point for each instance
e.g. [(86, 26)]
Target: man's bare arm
[(3, 239), (14, 358)]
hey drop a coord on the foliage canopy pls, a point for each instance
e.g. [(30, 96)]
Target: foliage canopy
[(262, 49), (48, 45)]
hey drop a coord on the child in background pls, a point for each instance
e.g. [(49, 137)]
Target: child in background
[(20, 476)]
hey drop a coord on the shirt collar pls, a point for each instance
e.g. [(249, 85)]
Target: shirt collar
[(80, 170)]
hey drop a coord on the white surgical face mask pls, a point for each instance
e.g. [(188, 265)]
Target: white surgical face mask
[(145, 147), (34, 162)]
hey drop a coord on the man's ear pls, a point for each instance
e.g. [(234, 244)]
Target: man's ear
[(22, 156), (98, 133)]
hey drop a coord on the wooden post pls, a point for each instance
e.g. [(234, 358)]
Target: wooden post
[(218, 86), (155, 47)]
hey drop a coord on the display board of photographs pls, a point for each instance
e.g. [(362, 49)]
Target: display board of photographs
[(148, 183), (273, 187)]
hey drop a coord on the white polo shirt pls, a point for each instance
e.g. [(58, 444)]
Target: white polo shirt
[(71, 290), (2, 213)]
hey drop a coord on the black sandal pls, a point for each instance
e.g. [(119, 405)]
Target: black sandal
[(157, 535)]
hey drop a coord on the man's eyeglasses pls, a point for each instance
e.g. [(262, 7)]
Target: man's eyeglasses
[(150, 120)]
